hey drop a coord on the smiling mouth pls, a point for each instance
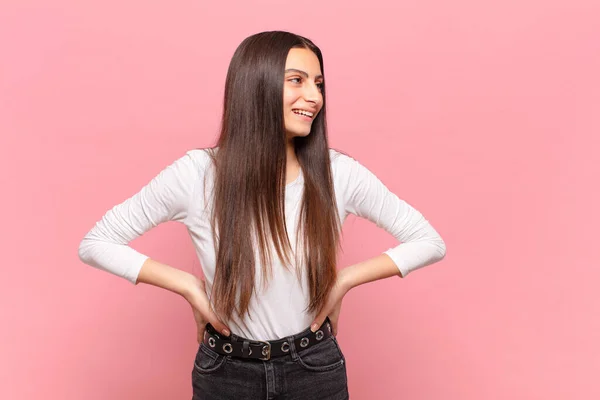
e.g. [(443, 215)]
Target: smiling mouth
[(304, 115)]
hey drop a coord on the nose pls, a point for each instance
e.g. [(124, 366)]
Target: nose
[(312, 93)]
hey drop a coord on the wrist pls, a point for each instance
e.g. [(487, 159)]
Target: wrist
[(345, 278), (190, 286)]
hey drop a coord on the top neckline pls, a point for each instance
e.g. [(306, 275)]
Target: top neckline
[(297, 180)]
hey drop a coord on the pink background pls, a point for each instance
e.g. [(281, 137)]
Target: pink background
[(484, 116)]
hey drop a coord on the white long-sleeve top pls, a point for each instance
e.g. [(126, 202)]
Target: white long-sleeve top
[(177, 194)]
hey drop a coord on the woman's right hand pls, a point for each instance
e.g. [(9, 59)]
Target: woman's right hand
[(203, 313)]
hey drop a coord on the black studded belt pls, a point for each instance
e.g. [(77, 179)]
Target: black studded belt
[(237, 346)]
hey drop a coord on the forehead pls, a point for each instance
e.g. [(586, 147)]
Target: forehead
[(305, 60)]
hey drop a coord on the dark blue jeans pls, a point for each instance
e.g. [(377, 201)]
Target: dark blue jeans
[(315, 373)]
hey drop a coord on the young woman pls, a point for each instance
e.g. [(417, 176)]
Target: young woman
[(264, 208)]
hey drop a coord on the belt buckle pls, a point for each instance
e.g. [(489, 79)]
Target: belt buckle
[(268, 350)]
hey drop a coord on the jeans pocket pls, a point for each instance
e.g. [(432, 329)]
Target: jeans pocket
[(208, 361), (324, 356)]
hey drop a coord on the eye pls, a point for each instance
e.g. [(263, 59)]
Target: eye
[(298, 80)]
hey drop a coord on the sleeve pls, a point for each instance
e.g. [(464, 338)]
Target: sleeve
[(367, 197), (166, 197)]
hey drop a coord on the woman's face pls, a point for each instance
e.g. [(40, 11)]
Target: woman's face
[(301, 91)]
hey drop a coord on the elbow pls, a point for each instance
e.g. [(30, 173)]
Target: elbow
[(83, 252), (440, 247)]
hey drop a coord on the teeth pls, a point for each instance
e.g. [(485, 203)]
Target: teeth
[(302, 112)]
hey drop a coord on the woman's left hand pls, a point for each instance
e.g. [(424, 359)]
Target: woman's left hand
[(333, 305)]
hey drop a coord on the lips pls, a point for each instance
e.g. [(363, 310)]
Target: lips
[(304, 114), (303, 117)]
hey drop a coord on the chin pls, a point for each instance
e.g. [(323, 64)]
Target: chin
[(298, 133)]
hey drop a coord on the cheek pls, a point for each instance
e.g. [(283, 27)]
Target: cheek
[(288, 103), (289, 98)]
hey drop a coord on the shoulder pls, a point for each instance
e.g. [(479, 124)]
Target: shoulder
[(341, 161), (199, 159), (189, 166), (346, 170), (350, 173), (335, 156), (200, 156)]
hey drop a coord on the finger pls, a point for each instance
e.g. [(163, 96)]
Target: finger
[(217, 324), (201, 334), (317, 323), (201, 324), (204, 312)]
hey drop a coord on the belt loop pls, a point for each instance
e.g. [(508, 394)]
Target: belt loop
[(245, 348), (290, 340)]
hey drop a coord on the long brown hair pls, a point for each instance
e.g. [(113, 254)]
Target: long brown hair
[(250, 175)]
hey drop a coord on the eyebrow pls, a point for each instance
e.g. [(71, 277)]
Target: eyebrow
[(301, 73)]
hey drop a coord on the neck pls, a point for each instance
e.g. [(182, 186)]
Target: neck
[(291, 154), (292, 166)]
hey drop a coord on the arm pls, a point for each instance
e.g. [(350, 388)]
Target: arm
[(164, 276), (378, 267), (166, 197), (367, 197), (186, 285)]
